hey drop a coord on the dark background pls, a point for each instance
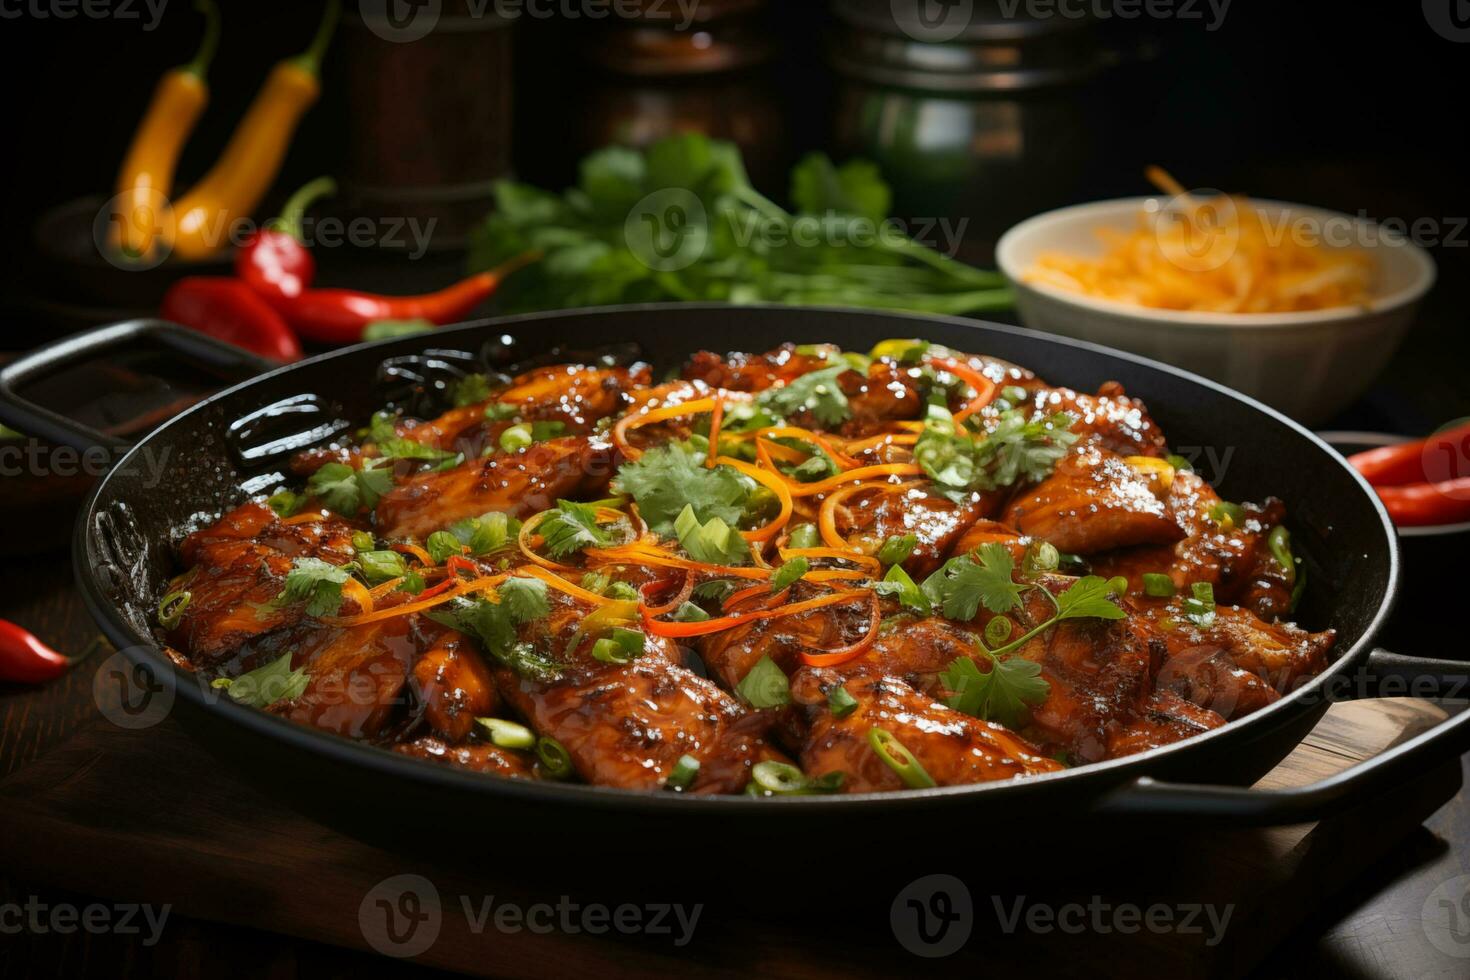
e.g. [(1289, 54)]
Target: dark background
[(1320, 103)]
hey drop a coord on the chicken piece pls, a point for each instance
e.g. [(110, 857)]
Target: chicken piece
[(629, 724), (1165, 719), (237, 568), (1094, 501), (870, 517), (355, 677), (475, 756), (752, 372), (985, 532), (914, 650), (887, 393), (1279, 655), (519, 484), (953, 748), (1110, 419), (575, 395), (454, 685), (1237, 562)]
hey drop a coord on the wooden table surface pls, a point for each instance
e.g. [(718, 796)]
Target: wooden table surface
[(1372, 930)]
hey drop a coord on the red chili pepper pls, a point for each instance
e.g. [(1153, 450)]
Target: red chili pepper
[(1411, 462), (228, 310), (339, 316), (25, 659), (276, 263), (1428, 504)]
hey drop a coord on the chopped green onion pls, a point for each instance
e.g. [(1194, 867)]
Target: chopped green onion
[(689, 613), (1179, 463), (765, 685), (555, 759), (840, 703), (171, 608), (1118, 584), (1041, 557), (516, 438), (998, 632), (496, 412), (1280, 544), (362, 541), (620, 646), (1015, 394), (508, 734), (1199, 608), (900, 759), (1158, 585), (684, 774), (789, 574), (780, 778), (897, 549), (804, 536)]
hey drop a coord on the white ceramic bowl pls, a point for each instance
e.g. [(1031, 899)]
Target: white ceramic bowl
[(1310, 365)]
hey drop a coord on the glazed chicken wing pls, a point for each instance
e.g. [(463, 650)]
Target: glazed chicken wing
[(518, 483)]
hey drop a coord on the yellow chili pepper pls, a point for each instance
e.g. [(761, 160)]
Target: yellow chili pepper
[(147, 174), (248, 166)]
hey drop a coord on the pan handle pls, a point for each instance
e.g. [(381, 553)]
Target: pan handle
[(1387, 675), (35, 420)]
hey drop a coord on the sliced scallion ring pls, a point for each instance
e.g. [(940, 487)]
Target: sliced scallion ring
[(171, 608), (684, 774), (900, 760), (555, 759)]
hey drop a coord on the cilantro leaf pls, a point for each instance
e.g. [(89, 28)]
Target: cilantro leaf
[(316, 583), (817, 392), (486, 533), (335, 485), (898, 585), (524, 599), (1001, 694), (1088, 598), (669, 478), (1015, 450), (713, 542), (964, 584), (266, 685), (855, 188), (570, 527)]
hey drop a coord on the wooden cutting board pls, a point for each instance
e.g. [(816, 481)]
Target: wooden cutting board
[(151, 816)]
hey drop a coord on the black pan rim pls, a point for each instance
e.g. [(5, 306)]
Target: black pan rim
[(1107, 775)]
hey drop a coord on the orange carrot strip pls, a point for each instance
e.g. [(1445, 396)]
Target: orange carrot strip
[(985, 389), (716, 417), (662, 628), (843, 654)]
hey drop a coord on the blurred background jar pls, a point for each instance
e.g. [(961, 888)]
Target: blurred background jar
[(974, 109)]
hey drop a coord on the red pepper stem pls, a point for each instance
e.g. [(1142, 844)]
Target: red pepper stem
[(293, 213), (310, 60), (209, 44)]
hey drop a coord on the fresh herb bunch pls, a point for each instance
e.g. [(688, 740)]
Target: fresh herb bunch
[(681, 222)]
